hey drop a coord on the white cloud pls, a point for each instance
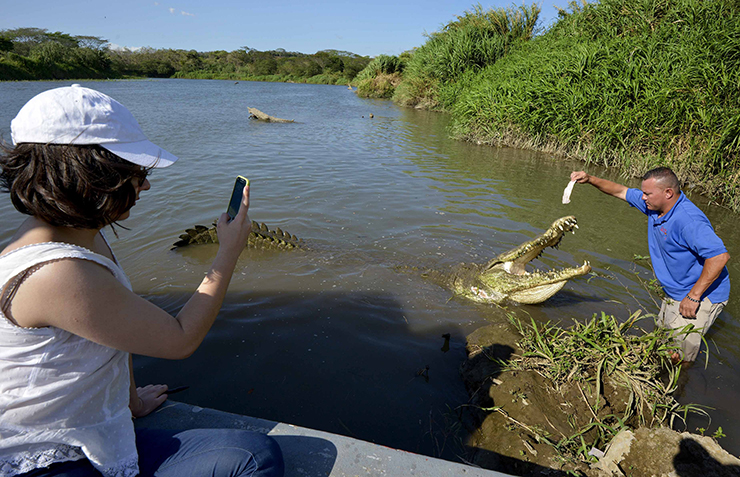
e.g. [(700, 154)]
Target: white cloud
[(156, 4), (116, 47), (186, 14), (172, 10)]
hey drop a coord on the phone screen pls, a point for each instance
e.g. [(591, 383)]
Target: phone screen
[(236, 196)]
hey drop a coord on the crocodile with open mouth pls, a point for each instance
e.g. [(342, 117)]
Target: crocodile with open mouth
[(500, 279)]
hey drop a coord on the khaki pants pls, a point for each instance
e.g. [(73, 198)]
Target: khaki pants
[(669, 317)]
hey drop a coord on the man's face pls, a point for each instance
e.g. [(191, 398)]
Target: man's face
[(655, 195)]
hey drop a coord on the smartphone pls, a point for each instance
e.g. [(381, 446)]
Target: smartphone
[(236, 196)]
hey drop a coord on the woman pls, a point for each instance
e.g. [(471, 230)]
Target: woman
[(68, 317)]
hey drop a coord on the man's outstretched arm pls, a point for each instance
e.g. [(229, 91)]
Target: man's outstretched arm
[(607, 187)]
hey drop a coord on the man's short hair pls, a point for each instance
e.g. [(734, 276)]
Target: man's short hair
[(83, 186), (665, 176)]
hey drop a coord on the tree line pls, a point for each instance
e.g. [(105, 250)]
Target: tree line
[(36, 54)]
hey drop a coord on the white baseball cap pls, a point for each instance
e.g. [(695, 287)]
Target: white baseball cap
[(78, 116)]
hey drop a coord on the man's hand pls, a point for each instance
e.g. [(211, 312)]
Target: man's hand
[(580, 177), (688, 308)]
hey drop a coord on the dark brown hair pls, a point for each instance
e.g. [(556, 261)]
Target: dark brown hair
[(665, 176), (70, 186)]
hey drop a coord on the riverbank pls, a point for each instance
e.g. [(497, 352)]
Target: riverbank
[(619, 83), (592, 422), (331, 79)]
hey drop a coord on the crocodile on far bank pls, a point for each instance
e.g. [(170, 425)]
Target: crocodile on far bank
[(500, 279)]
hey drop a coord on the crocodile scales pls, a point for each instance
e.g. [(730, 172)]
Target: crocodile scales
[(502, 278)]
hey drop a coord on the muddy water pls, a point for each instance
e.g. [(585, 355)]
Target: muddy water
[(337, 339)]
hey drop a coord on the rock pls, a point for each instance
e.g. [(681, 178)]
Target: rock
[(257, 114), (665, 453), (619, 447)]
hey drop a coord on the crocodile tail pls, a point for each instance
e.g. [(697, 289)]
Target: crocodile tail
[(261, 237), (199, 234)]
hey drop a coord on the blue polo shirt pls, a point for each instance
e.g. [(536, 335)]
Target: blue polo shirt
[(679, 242)]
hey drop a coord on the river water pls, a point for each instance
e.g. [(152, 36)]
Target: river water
[(335, 339)]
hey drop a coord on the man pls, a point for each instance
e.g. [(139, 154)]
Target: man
[(688, 258)]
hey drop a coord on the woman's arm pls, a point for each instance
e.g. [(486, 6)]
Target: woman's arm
[(83, 298)]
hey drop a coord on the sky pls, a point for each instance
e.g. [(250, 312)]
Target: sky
[(368, 29)]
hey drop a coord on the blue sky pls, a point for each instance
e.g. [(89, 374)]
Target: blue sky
[(366, 28)]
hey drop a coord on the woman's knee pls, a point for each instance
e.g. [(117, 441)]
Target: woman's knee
[(223, 452), (265, 451)]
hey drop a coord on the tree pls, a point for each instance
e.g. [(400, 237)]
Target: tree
[(334, 64), (92, 42), (265, 66), (25, 39), (49, 53), (5, 44)]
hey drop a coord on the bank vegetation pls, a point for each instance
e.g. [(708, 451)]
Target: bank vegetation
[(36, 54), (627, 84)]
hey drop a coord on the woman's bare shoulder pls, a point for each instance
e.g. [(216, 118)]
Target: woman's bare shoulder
[(84, 298), (64, 287)]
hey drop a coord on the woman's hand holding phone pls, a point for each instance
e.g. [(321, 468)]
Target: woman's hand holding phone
[(233, 234)]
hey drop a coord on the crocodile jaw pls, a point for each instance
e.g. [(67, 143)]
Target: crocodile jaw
[(515, 259), (555, 281), (505, 276), (538, 294), (496, 285)]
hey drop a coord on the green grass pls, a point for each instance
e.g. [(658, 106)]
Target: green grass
[(381, 76), (474, 40), (383, 64), (587, 355), (380, 86), (627, 84)]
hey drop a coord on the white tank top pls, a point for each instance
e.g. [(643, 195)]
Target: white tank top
[(62, 397)]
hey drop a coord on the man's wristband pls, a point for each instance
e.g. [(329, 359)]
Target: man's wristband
[(692, 299)]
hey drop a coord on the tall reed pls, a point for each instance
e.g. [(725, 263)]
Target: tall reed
[(629, 84), (474, 40)]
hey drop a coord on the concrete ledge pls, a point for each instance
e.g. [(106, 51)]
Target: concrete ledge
[(310, 453)]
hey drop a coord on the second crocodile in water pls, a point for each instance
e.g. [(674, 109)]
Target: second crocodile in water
[(500, 279)]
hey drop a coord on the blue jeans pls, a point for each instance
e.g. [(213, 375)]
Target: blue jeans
[(195, 452)]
